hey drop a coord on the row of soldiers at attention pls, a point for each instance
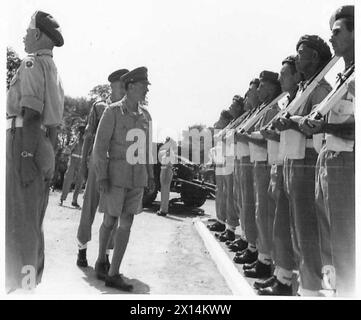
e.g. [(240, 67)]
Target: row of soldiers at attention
[(285, 170)]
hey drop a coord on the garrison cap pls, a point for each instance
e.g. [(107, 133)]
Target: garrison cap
[(290, 59), (254, 81), (47, 24), (316, 43), (137, 75), (115, 76), (342, 12), (226, 115), (269, 76)]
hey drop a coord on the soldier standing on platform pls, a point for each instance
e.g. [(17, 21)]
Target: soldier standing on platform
[(120, 175), (35, 104), (335, 174), (91, 193)]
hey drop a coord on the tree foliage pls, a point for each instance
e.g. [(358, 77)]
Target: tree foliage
[(12, 64)]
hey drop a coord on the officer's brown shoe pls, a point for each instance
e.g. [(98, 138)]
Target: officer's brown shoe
[(238, 245), (248, 266), (117, 282), (217, 227), (161, 213), (260, 270), (246, 257), (277, 289), (226, 235), (101, 270), (264, 284), (82, 262)]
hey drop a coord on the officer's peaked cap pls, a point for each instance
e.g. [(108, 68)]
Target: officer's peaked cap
[(115, 76), (137, 75)]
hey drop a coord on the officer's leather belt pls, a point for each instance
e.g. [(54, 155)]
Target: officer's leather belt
[(17, 122)]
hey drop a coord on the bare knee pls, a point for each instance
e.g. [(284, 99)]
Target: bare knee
[(125, 223), (109, 221)]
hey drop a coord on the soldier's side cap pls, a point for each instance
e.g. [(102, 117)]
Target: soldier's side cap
[(115, 76), (342, 12), (47, 24), (316, 43), (269, 76), (290, 59), (225, 114), (254, 81), (137, 75)]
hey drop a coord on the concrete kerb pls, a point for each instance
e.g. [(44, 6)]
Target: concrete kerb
[(235, 281)]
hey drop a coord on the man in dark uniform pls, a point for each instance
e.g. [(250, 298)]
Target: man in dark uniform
[(73, 174), (121, 174), (91, 193), (335, 174), (35, 104)]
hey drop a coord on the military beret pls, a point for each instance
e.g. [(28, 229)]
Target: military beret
[(290, 59), (316, 43), (136, 75), (238, 99), (342, 12), (47, 24), (254, 81), (269, 76), (115, 76)]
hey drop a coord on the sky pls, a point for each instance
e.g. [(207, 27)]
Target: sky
[(199, 53)]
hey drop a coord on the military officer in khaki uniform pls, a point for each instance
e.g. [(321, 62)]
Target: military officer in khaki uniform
[(335, 174), (91, 193), (35, 104), (122, 171), (73, 173), (300, 154)]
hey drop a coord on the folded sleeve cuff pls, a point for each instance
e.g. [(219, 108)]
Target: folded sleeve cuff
[(32, 103)]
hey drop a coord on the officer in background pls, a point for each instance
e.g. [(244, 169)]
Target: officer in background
[(91, 193), (73, 174), (35, 103), (280, 282), (300, 154), (121, 174), (335, 174), (166, 156)]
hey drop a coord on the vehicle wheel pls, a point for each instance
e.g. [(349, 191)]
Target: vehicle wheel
[(193, 196)]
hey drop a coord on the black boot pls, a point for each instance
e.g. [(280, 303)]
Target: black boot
[(82, 261), (277, 289), (246, 257), (226, 235), (248, 266), (238, 245), (264, 284), (217, 226), (260, 270)]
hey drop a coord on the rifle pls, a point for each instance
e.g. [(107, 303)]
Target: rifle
[(244, 127), (334, 96), (301, 98)]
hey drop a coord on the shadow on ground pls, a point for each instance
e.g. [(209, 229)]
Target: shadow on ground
[(139, 287)]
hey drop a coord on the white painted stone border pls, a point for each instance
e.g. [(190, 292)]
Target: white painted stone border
[(235, 281)]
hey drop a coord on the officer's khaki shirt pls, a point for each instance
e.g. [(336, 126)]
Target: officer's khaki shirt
[(111, 146), (292, 142), (37, 85)]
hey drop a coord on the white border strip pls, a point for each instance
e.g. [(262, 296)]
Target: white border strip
[(234, 279)]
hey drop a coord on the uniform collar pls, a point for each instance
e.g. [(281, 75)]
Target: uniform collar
[(127, 109), (44, 52)]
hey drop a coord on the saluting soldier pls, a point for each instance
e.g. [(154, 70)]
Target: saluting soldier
[(91, 193), (335, 175), (73, 173), (262, 154), (35, 103), (280, 282), (299, 152), (121, 174)]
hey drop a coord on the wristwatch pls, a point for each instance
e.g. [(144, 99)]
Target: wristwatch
[(26, 154)]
